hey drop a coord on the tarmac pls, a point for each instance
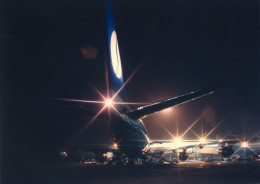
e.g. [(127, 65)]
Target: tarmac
[(185, 172)]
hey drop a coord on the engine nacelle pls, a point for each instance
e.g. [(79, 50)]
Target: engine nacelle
[(183, 155), (225, 151)]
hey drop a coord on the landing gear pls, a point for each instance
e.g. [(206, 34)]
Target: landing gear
[(161, 158)]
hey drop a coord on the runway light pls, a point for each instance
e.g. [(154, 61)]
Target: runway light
[(244, 145), (202, 140)]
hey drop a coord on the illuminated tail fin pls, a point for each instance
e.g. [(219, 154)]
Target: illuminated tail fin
[(115, 73)]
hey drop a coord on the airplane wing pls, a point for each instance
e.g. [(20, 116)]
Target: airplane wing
[(176, 144), (223, 147), (147, 110), (77, 104), (172, 144)]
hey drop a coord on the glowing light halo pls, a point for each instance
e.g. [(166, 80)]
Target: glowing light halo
[(115, 55), (244, 144), (167, 111), (108, 102), (202, 140), (105, 99), (178, 141), (115, 146)]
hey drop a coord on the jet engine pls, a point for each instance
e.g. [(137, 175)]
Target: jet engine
[(183, 155), (225, 151)]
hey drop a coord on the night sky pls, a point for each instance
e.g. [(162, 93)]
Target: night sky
[(57, 48)]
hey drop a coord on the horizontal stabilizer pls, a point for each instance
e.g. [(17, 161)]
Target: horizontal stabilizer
[(147, 110)]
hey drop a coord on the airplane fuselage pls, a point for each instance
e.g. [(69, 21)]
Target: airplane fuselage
[(130, 135)]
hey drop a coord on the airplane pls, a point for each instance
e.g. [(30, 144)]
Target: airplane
[(128, 131)]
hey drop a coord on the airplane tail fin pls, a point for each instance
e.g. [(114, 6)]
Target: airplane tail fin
[(150, 109), (116, 88)]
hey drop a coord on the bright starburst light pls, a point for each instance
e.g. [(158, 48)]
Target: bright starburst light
[(107, 101)]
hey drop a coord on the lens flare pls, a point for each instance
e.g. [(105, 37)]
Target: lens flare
[(202, 140), (178, 141), (108, 102), (244, 144), (115, 146)]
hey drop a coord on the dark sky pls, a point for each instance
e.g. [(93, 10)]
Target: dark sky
[(181, 46)]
